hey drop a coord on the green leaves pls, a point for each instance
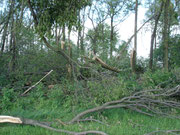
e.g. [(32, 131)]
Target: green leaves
[(56, 12)]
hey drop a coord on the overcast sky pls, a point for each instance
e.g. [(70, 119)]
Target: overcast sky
[(126, 30)]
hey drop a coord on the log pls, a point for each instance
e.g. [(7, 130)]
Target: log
[(24, 121)]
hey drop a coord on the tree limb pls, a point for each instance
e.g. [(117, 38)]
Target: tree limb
[(148, 102), (17, 120), (36, 83)]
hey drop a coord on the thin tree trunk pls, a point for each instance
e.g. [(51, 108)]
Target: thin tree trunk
[(153, 36), (165, 34), (79, 33), (4, 37), (135, 40), (111, 38), (94, 41), (12, 2), (12, 63), (69, 66), (64, 32), (83, 33)]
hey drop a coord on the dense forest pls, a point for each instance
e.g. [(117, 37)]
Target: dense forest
[(64, 68)]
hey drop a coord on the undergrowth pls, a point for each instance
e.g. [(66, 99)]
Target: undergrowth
[(70, 98)]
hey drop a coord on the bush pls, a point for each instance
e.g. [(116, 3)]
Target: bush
[(7, 98), (160, 78)]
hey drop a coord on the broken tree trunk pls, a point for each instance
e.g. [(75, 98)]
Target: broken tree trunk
[(104, 65)]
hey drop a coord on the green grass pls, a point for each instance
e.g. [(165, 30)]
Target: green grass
[(118, 122)]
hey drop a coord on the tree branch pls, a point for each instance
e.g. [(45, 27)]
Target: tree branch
[(17, 120)]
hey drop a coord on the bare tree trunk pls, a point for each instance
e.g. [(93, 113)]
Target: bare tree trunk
[(153, 36), (165, 34), (12, 63), (82, 33), (12, 2), (69, 66), (4, 37), (79, 33), (111, 38), (135, 40), (94, 41)]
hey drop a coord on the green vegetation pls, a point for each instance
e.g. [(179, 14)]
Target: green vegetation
[(61, 104), (92, 67)]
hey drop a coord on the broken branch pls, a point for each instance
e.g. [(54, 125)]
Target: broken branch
[(17, 120), (36, 83)]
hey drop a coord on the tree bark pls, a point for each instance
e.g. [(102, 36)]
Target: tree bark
[(111, 38), (166, 34), (153, 36), (135, 38), (24, 121), (12, 2)]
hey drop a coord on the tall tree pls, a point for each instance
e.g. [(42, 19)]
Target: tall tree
[(153, 36), (47, 13), (165, 32), (6, 23), (118, 10), (97, 16), (134, 52)]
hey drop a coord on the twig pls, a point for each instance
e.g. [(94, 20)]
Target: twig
[(17, 120), (36, 83)]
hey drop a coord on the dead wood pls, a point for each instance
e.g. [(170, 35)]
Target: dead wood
[(174, 132), (149, 102), (36, 83), (23, 121), (104, 65), (96, 59)]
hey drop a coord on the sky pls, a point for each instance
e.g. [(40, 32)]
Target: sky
[(126, 30)]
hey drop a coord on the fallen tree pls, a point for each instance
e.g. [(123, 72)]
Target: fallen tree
[(149, 102), (23, 121)]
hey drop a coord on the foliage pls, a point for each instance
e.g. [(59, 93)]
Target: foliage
[(174, 48), (57, 12), (101, 34), (159, 78), (7, 99)]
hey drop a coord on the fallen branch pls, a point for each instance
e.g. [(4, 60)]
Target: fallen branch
[(104, 65), (36, 83), (17, 120), (149, 102), (174, 132), (96, 59)]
